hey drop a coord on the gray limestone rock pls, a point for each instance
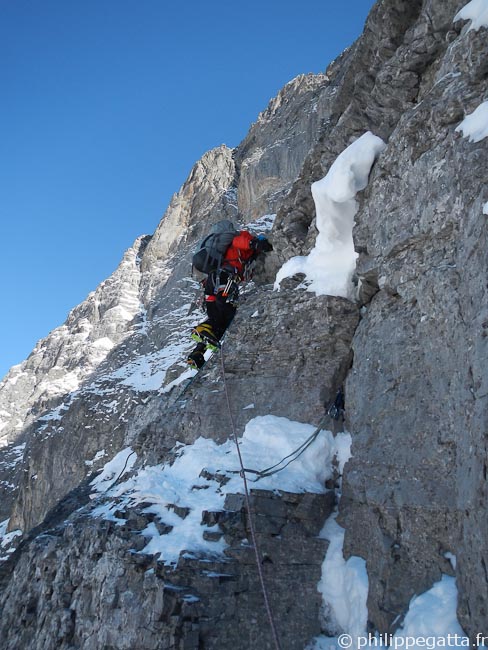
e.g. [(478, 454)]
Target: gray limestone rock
[(271, 156), (84, 584), (286, 354), (415, 393)]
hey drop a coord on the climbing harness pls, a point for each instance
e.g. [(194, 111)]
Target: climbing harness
[(248, 508)]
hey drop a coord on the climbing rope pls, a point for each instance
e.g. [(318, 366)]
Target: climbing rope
[(335, 411), (294, 455), (120, 473), (248, 508)]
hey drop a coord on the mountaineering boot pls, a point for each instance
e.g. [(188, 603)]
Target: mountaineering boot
[(204, 334), (196, 358)]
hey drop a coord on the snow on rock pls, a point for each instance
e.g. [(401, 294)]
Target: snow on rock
[(67, 382), (5, 417), (98, 456), (147, 372), (475, 125), (330, 264), (6, 540), (262, 225), (17, 454), (485, 208), (266, 440), (452, 559), (433, 614), (57, 413), (431, 620), (344, 585), (117, 467), (477, 12), (103, 343), (70, 353), (187, 374)]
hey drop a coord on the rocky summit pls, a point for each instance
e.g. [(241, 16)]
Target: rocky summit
[(123, 521)]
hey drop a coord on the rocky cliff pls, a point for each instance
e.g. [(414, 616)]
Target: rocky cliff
[(125, 525)]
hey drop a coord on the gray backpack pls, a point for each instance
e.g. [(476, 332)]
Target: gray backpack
[(211, 250)]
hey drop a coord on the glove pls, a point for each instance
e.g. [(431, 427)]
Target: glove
[(261, 245)]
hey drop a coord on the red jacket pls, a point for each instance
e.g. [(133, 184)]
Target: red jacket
[(239, 252)]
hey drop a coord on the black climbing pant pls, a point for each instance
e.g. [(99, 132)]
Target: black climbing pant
[(220, 314)]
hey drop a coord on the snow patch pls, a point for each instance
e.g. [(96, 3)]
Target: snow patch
[(98, 456), (485, 208), (143, 326), (431, 620), (477, 12), (57, 413), (119, 313), (104, 344), (262, 225), (254, 158), (330, 264), (6, 539), (68, 382), (191, 372), (148, 372), (266, 440), (433, 613), (475, 125), (344, 585), (18, 454), (120, 464)]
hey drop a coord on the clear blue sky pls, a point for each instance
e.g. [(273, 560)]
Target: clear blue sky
[(105, 107)]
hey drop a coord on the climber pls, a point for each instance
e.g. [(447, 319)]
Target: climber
[(221, 291)]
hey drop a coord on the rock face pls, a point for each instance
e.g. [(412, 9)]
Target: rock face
[(262, 362), (101, 594), (62, 361), (411, 353), (416, 391), (420, 375), (271, 156), (210, 189)]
